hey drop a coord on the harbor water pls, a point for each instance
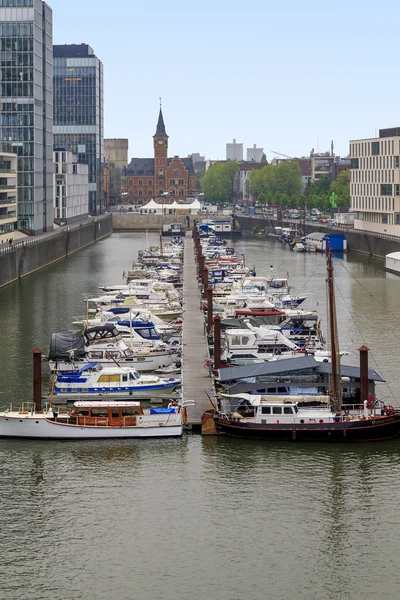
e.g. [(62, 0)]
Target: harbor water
[(199, 517)]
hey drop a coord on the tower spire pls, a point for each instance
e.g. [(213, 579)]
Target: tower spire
[(160, 131)]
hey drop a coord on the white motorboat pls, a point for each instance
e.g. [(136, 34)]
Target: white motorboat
[(115, 381), (92, 420), (105, 344)]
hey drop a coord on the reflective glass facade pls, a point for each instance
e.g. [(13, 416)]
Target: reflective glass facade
[(26, 116), (79, 112)]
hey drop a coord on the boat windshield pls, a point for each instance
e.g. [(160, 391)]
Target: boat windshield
[(134, 375)]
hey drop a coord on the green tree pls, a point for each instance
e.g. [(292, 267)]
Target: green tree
[(341, 187), (199, 176), (217, 184), (284, 178), (264, 158)]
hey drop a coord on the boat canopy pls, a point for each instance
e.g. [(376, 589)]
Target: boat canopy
[(263, 399), (104, 403), (66, 345)]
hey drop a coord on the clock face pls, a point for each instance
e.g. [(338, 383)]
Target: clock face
[(160, 142)]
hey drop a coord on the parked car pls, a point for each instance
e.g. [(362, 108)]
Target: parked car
[(322, 220), (314, 219)]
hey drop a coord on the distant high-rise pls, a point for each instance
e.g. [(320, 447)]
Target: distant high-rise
[(79, 112), (26, 126), (116, 152), (255, 154), (234, 151)]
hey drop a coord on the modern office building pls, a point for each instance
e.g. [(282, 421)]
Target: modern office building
[(8, 196), (322, 165), (255, 154), (26, 88), (234, 151), (79, 112), (71, 187), (375, 182)]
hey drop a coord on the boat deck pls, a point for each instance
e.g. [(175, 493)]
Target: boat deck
[(196, 380)]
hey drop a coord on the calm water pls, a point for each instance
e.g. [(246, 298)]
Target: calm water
[(199, 517)]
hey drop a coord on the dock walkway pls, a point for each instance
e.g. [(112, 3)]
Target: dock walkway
[(196, 381)]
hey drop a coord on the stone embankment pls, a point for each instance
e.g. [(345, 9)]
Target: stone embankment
[(365, 242), (27, 256)]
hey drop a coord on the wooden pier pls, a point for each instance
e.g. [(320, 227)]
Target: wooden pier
[(196, 380)]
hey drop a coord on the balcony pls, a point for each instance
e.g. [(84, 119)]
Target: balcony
[(8, 187)]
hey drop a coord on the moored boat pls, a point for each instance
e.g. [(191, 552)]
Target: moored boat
[(92, 420)]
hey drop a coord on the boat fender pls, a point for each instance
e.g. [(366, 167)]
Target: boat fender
[(321, 421), (336, 418), (302, 421), (277, 421), (140, 419)]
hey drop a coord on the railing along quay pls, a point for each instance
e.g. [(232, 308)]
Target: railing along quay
[(32, 240)]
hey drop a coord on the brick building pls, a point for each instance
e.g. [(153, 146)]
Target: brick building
[(162, 178)]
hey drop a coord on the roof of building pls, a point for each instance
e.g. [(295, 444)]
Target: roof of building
[(72, 51), (288, 365), (160, 131), (145, 166)]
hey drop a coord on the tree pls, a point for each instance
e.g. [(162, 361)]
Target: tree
[(341, 187), (199, 176), (284, 178), (264, 158), (217, 184)]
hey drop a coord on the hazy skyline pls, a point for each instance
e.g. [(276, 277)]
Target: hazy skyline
[(288, 77)]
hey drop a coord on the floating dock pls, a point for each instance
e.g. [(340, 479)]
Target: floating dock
[(196, 379)]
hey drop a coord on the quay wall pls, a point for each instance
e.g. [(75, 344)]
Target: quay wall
[(27, 256), (130, 221), (365, 242)]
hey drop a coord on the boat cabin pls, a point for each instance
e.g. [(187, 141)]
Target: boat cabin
[(106, 414)]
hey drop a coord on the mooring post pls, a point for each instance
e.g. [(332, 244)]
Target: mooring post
[(363, 373), (209, 310), (217, 343)]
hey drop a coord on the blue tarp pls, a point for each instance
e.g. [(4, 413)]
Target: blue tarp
[(161, 411)]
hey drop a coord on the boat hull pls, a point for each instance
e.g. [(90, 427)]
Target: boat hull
[(45, 428), (355, 431)]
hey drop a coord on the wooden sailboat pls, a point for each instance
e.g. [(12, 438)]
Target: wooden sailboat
[(276, 418)]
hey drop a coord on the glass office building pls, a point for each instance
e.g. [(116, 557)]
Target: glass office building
[(79, 112), (26, 109)]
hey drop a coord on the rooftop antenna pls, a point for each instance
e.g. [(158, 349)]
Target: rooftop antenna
[(160, 102), (332, 147)]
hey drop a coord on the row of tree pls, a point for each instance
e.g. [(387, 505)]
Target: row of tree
[(275, 184)]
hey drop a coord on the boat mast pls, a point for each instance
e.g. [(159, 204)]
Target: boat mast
[(335, 355)]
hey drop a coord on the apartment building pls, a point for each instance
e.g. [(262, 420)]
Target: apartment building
[(8, 196), (375, 182)]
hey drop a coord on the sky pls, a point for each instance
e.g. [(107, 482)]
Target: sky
[(288, 75)]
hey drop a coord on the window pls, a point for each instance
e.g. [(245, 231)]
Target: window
[(140, 192), (99, 412), (396, 189), (160, 172), (277, 410), (181, 181), (172, 192), (176, 172), (149, 193), (149, 182), (374, 148), (124, 377), (128, 412), (140, 182), (75, 169), (287, 410), (354, 163), (172, 182), (265, 410), (396, 162), (386, 189), (115, 412), (160, 191)]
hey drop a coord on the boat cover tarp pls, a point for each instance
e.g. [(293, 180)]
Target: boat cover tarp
[(63, 343), (162, 411)]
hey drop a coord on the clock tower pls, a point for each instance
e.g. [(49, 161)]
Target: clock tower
[(160, 156)]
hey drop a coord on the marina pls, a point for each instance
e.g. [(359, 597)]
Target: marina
[(128, 471)]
